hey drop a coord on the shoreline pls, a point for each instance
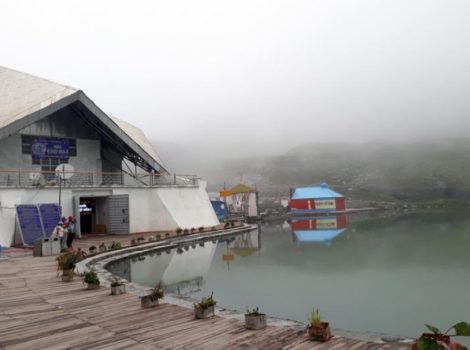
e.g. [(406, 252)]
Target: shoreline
[(101, 261)]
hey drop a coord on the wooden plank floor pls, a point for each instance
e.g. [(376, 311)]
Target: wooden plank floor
[(38, 311)]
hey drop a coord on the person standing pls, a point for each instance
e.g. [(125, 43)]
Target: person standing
[(71, 229), (58, 232)]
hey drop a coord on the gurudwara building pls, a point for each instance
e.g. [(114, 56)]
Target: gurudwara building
[(57, 146)]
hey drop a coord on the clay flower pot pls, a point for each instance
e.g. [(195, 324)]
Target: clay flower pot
[(319, 332)]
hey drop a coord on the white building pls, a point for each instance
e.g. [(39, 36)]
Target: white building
[(119, 181)]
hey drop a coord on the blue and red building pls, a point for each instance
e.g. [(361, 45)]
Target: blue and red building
[(317, 200)]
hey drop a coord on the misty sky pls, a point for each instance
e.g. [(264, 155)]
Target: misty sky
[(277, 71)]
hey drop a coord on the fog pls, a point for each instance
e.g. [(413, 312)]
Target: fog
[(260, 76)]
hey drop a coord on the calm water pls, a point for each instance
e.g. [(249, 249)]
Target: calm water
[(384, 275)]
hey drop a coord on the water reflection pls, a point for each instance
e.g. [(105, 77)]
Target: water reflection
[(314, 229), (384, 274), (242, 246), (181, 270)]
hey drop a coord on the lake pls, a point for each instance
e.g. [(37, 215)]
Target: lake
[(388, 275)]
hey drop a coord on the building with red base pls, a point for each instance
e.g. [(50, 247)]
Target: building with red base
[(317, 199)]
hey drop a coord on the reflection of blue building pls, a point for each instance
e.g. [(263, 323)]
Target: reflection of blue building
[(318, 229), (220, 208)]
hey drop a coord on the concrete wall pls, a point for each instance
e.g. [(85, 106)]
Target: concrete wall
[(151, 209)]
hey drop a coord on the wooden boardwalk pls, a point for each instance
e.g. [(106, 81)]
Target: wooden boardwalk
[(38, 311)]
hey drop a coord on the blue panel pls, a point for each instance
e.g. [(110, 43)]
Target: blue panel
[(29, 223), (50, 216), (322, 236), (220, 208)]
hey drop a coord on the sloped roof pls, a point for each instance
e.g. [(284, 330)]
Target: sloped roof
[(25, 99), (321, 191), (321, 236), (138, 136), (22, 94), (241, 188)]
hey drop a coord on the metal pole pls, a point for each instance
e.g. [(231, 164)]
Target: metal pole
[(60, 195)]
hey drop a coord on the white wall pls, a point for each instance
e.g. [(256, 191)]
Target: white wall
[(150, 209)]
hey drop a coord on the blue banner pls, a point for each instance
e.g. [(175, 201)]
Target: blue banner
[(50, 148)]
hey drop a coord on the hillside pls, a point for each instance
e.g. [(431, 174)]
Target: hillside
[(422, 170)]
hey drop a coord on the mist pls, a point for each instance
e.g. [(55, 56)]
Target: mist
[(257, 76)]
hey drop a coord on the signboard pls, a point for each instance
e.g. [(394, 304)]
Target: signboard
[(325, 204), (50, 148), (325, 224), (228, 257), (29, 223), (226, 193), (50, 216)]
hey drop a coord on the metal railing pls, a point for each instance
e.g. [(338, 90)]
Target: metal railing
[(36, 178)]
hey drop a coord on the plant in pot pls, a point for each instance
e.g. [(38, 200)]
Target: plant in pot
[(201, 229), (91, 279), (92, 249), (437, 340), (115, 246), (255, 319), (117, 287), (151, 300), (179, 230), (133, 241), (205, 308), (140, 240), (317, 329), (66, 263), (102, 247)]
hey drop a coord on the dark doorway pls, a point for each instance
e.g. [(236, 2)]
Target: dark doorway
[(87, 214)]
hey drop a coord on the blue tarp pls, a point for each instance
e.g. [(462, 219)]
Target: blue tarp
[(220, 208)]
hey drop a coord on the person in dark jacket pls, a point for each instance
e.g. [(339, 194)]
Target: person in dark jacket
[(71, 230)]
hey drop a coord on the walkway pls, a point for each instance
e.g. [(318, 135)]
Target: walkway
[(38, 311)]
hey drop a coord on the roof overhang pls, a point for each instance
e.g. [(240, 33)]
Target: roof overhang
[(107, 127)]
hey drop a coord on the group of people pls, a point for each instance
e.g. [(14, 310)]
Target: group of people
[(65, 231)]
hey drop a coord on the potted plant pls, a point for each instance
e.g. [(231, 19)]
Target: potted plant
[(91, 279), (92, 249), (179, 230), (66, 263), (152, 239), (255, 319), (205, 308), (437, 340), (133, 241), (117, 287), (317, 329), (140, 240), (201, 229), (115, 246), (151, 300), (102, 247)]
